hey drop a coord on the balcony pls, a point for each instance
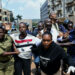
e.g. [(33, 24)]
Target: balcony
[(71, 13), (59, 8), (58, 0), (74, 2), (56, 3), (69, 1)]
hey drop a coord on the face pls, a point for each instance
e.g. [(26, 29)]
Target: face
[(46, 41), (53, 15), (70, 26), (2, 34), (40, 26), (48, 24), (22, 28)]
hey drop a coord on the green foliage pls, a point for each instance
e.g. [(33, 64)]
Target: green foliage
[(34, 24), (11, 19), (19, 17)]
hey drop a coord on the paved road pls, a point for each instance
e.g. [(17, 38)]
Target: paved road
[(32, 66)]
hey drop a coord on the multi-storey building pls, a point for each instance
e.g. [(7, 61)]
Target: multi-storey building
[(70, 10), (59, 7), (52, 5), (63, 8), (45, 10), (4, 14), (70, 7)]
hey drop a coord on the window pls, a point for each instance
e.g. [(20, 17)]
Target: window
[(0, 18), (69, 8), (74, 8), (6, 19), (5, 13), (0, 10)]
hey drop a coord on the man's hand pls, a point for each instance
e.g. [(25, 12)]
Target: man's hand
[(17, 52), (15, 49), (6, 53), (39, 35), (10, 53)]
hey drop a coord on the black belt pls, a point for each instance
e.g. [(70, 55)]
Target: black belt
[(4, 61)]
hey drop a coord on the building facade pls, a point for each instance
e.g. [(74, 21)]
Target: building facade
[(63, 8), (4, 14), (45, 10), (70, 10), (52, 5)]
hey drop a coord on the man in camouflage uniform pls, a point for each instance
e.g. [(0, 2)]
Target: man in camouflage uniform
[(6, 60)]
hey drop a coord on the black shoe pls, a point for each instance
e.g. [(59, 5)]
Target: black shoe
[(38, 72), (72, 73)]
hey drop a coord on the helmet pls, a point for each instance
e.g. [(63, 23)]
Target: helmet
[(66, 21)]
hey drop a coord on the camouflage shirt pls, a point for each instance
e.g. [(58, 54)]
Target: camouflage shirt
[(5, 46)]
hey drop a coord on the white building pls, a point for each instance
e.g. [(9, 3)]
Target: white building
[(4, 14), (45, 10)]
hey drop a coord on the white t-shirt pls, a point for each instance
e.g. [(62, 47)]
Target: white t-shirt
[(24, 45)]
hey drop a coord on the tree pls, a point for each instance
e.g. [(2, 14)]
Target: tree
[(34, 24), (11, 17), (19, 17)]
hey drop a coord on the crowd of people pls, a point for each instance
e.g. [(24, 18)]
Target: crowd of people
[(51, 45)]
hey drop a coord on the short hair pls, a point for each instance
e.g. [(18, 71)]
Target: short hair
[(52, 12), (22, 23), (41, 22), (48, 19), (47, 33)]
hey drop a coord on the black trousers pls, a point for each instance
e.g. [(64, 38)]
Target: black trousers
[(22, 65)]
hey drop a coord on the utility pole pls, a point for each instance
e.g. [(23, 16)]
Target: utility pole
[(0, 4), (63, 6)]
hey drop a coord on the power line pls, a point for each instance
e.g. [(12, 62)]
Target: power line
[(7, 3)]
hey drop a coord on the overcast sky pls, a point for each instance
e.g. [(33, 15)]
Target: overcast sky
[(29, 9)]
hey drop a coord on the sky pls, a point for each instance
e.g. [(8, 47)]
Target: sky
[(28, 9)]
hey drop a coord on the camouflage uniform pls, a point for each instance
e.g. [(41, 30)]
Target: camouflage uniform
[(6, 62)]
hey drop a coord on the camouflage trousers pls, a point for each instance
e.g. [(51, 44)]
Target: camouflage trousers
[(7, 68)]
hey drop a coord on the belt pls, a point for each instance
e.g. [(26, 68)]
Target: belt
[(4, 61)]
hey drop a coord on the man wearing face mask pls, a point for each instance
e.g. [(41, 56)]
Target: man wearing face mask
[(23, 43)]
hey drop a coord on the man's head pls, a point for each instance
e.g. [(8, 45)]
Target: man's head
[(2, 32), (40, 26), (46, 39), (22, 28), (53, 17), (48, 24), (70, 25)]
